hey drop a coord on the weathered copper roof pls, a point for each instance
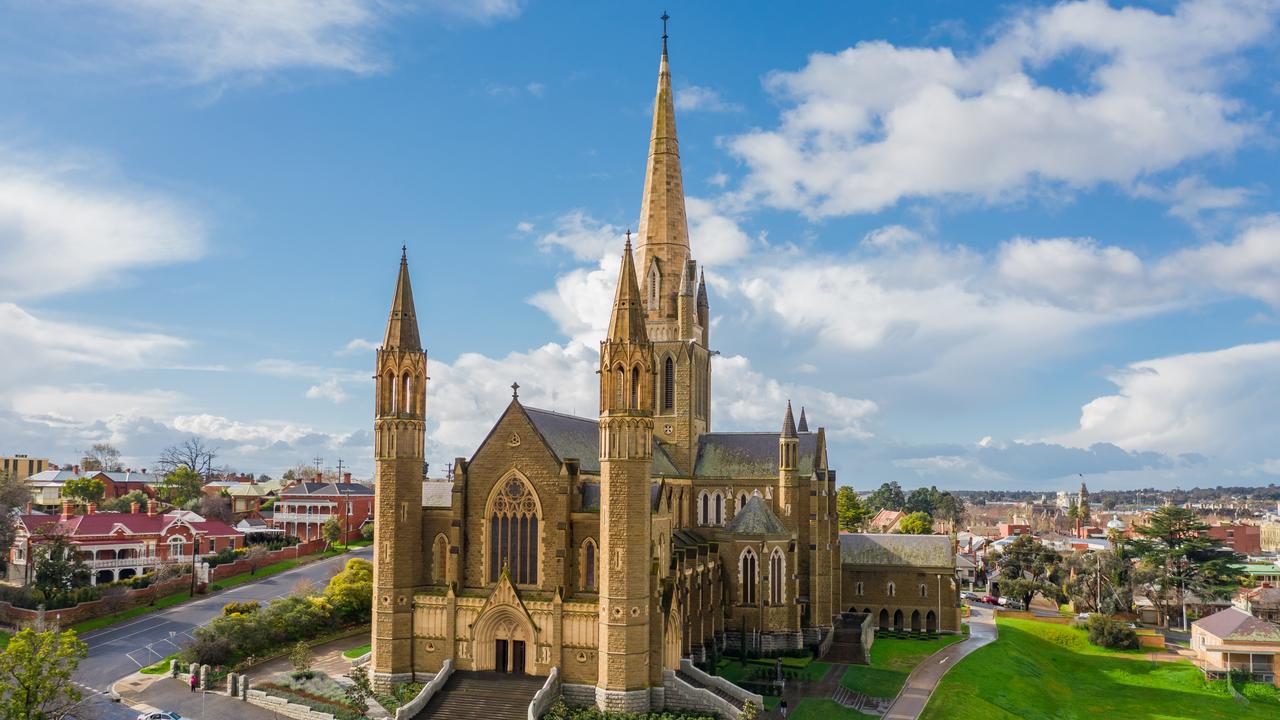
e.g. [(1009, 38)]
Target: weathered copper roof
[(757, 518), (915, 550), (748, 455)]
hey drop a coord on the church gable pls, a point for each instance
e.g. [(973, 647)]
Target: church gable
[(514, 439)]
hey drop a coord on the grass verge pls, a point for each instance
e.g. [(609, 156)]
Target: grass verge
[(160, 667), (892, 660), (1041, 671), (356, 652), (823, 709)]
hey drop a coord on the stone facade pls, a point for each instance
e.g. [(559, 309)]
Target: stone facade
[(610, 547)]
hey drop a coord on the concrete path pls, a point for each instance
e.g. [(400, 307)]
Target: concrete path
[(920, 685), (326, 658), (158, 692)]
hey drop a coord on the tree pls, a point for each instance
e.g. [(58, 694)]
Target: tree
[(923, 500), (917, 523), (215, 506), (1099, 582), (950, 509), (14, 495), (183, 485), (888, 496), (1028, 567), (36, 668), (124, 502), (332, 531), (359, 691), (853, 513), (193, 454), (300, 657), (350, 592), (1180, 559), (57, 569), (255, 556), (102, 456), (86, 489)]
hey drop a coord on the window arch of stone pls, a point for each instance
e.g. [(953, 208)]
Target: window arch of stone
[(742, 501), (704, 505), (668, 385), (655, 280), (891, 590), (859, 589), (406, 393), (719, 509), (589, 558), (514, 516), (439, 558), (748, 575), (924, 590), (777, 577), (390, 385), (619, 386)]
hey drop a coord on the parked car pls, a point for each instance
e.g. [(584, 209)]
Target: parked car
[(160, 715), (967, 595), (1012, 603), (989, 600), (1084, 616)]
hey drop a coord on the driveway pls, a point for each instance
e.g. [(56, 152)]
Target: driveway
[(920, 685), (122, 649)]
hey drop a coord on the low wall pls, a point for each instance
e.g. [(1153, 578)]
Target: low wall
[(546, 696), (22, 617), (1150, 639), (238, 567), (280, 706), (683, 696), (414, 706)]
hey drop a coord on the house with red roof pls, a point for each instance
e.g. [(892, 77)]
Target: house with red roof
[(304, 507), (886, 521), (119, 545)]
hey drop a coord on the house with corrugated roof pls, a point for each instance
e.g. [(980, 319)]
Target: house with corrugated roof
[(1232, 640)]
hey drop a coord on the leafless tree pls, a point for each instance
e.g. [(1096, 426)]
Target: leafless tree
[(192, 453), (14, 495), (215, 507), (101, 456), (255, 557)]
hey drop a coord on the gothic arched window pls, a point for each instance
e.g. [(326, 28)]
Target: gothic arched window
[(706, 508), (890, 589), (776, 577), (635, 388), (719, 509), (619, 387), (513, 532), (439, 557), (924, 590), (589, 564), (668, 385), (749, 568)]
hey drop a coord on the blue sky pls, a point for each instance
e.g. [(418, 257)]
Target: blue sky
[(992, 249)]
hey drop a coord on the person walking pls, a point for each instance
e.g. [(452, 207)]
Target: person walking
[(782, 709), (194, 682)]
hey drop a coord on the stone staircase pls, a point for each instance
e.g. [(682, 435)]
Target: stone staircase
[(487, 695), (862, 703), (691, 680)]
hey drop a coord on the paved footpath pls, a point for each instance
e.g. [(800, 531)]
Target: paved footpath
[(920, 685)]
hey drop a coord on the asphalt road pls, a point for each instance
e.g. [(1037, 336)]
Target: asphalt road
[(120, 650)]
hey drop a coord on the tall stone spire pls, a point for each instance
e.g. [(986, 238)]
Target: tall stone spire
[(626, 324), (402, 326), (804, 421), (788, 423), (664, 231)]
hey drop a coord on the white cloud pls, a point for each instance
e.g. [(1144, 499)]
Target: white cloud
[(49, 344), (580, 302), (1192, 197), (718, 180), (1248, 265), (524, 226), (583, 236), (892, 236), (60, 230), (330, 390), (694, 98), (745, 399), (88, 403), (536, 89), (356, 346), (875, 123), (716, 238), (1219, 403)]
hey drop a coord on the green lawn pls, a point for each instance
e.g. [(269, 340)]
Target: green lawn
[(1040, 671), (4, 640), (171, 600), (159, 667), (892, 660), (356, 652)]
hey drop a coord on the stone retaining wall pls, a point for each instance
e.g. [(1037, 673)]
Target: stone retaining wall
[(280, 706)]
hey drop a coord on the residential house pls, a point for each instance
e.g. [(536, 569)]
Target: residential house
[(1261, 602), (117, 545), (304, 507), (1009, 529), (1244, 539), (886, 521), (46, 486), (1232, 640)]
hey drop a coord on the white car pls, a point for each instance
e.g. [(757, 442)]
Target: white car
[(161, 715)]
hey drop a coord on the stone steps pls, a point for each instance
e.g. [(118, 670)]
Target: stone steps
[(715, 690), (487, 695)]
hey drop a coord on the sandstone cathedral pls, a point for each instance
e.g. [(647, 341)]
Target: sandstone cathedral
[(609, 548)]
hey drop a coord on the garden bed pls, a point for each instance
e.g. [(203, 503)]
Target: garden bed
[(314, 690)]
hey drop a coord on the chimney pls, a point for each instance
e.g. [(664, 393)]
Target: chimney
[(319, 477), (133, 508), (151, 508), (144, 471), (346, 478), (91, 509), (28, 511), (68, 510)]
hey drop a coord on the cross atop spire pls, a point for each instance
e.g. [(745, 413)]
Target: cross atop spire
[(515, 391), (404, 253), (665, 18)]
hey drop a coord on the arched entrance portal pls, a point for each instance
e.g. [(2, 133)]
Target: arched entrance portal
[(915, 621), (884, 619), (504, 641), (897, 619), (931, 622)]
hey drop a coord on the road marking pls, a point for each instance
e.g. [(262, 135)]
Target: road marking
[(944, 660)]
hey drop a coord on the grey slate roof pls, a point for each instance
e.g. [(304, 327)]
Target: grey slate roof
[(315, 488), (1236, 624), (437, 494), (575, 437), (749, 455), (757, 518), (878, 549)]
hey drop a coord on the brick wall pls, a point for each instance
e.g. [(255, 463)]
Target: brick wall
[(22, 617)]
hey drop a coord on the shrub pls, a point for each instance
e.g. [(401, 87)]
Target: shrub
[(241, 608), (366, 532), (207, 649), (300, 657), (1108, 632)]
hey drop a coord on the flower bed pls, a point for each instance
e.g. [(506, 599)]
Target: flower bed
[(314, 690)]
